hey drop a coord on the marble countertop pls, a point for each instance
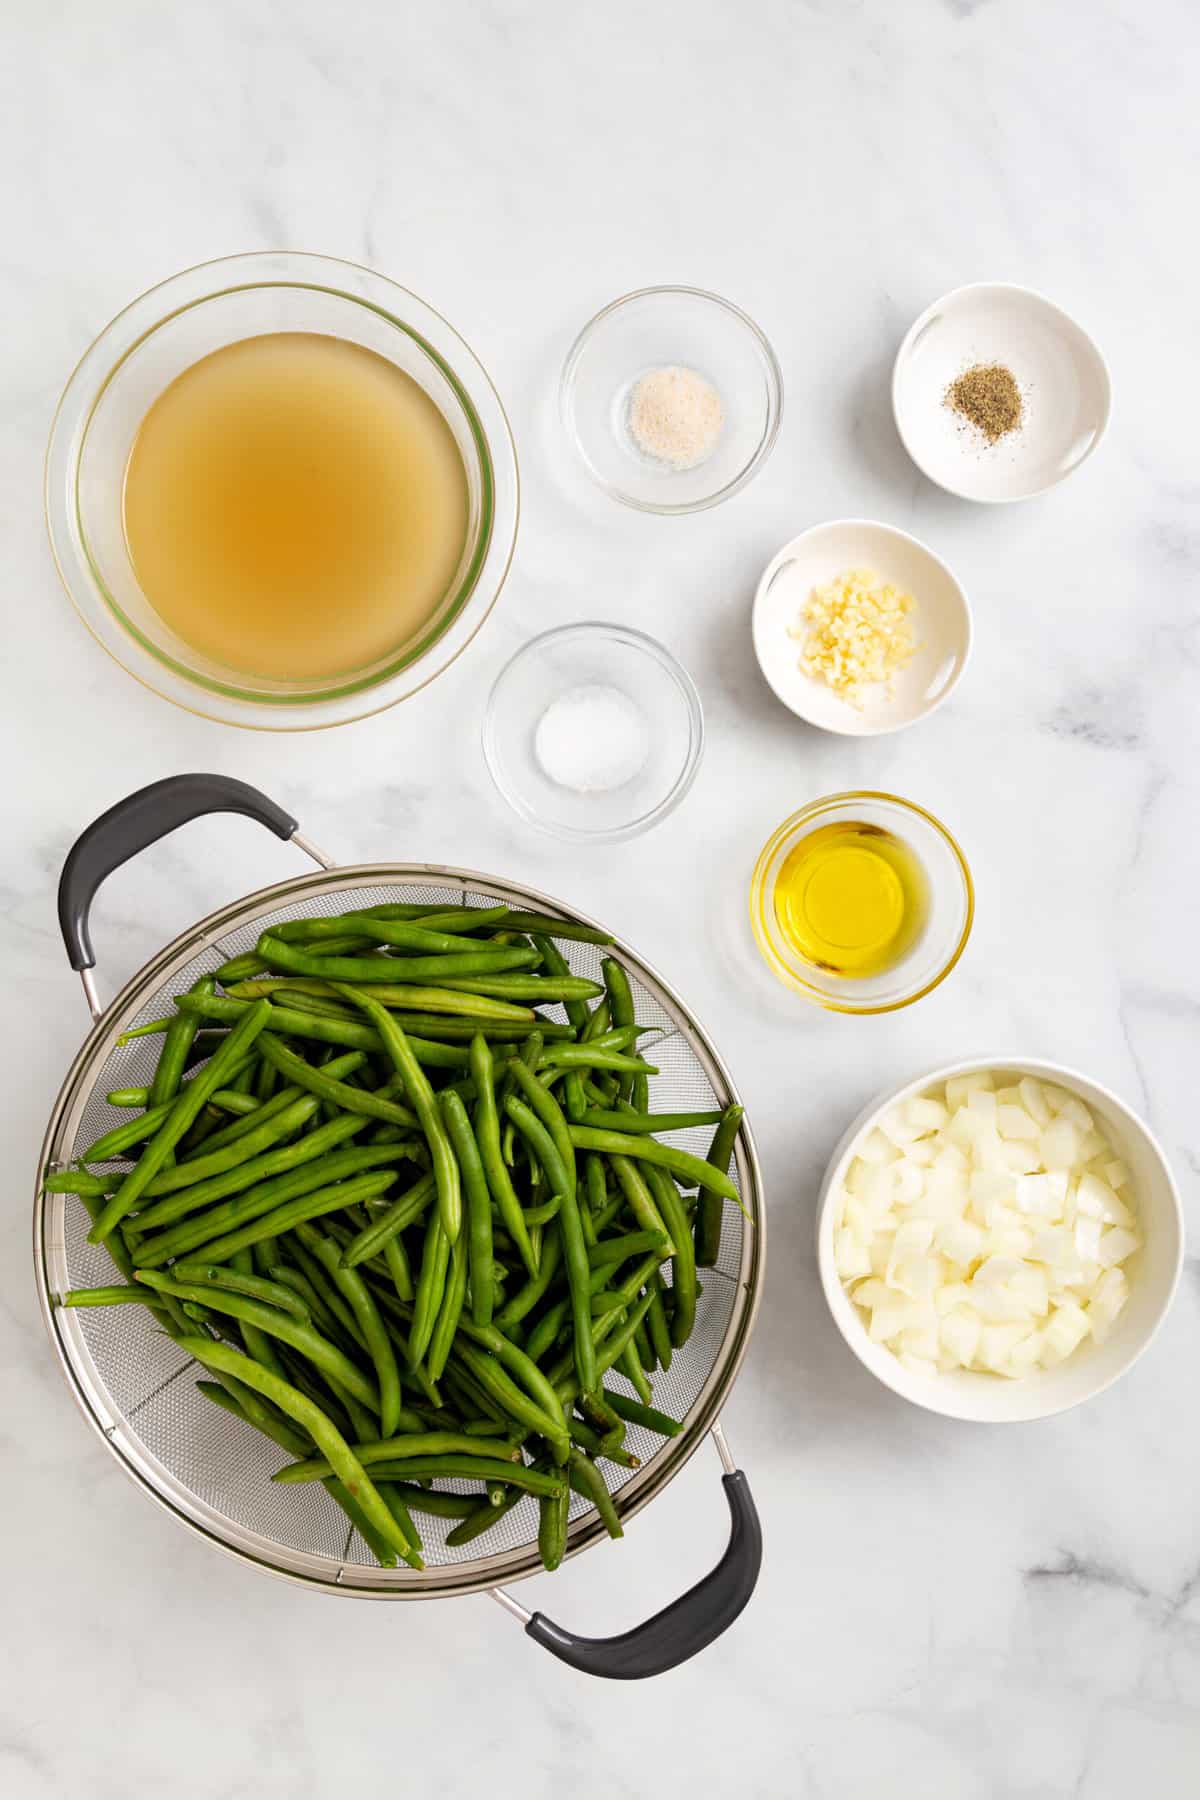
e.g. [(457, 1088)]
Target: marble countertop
[(945, 1610)]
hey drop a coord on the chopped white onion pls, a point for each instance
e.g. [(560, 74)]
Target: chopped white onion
[(980, 1227)]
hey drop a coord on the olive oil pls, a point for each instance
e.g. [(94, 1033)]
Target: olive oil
[(851, 899), (295, 507)]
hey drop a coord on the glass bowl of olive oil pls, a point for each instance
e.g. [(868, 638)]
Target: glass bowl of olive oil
[(281, 491), (862, 902)]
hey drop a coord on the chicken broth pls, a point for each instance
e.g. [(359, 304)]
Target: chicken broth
[(295, 507)]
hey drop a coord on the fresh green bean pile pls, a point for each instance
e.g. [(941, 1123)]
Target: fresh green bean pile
[(407, 1222)]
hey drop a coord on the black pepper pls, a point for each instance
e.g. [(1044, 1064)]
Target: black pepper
[(987, 396)]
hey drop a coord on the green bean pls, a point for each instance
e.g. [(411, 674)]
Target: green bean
[(233, 1100), (620, 1003), (476, 1468), (346, 1032), (400, 934), (109, 1296), (305, 1338), (123, 1137), (542, 925), (357, 1296), (128, 1096), (553, 1510), (345, 1330), (709, 1211), (430, 1000), (237, 1128), (471, 961), (634, 1369), (683, 1279), (608, 1252), (324, 1433), (513, 1402), (449, 1313), (373, 1238), (528, 1056), (526, 1298), (537, 989), (542, 1102), (445, 1167), (408, 931), (546, 1332), (81, 1182), (657, 1326), (190, 1234), (479, 1205), (392, 1449), (398, 1267), (431, 1287), (249, 1174), (181, 1033), (587, 1480), (339, 1093), (247, 963), (302, 1209), (183, 1113), (639, 1199), (285, 1124), (436, 1502), (646, 1416), (541, 1144), (571, 1230), (481, 1520), (286, 1276), (487, 1136), (597, 1119), (594, 1056), (616, 1143), (271, 1293), (597, 1445)]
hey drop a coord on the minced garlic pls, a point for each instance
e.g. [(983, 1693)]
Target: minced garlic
[(857, 633)]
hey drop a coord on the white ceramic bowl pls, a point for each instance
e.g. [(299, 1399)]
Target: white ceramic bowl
[(1062, 375), (1153, 1271), (941, 624)]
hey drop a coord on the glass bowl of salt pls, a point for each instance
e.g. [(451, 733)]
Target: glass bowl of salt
[(593, 732), (672, 397)]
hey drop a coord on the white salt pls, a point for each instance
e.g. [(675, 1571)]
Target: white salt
[(591, 739)]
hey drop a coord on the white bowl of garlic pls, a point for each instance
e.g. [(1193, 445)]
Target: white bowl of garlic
[(999, 1239)]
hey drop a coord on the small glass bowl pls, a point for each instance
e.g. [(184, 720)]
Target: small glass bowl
[(560, 662), (155, 339), (660, 328), (946, 930)]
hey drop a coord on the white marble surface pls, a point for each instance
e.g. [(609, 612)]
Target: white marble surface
[(945, 1611)]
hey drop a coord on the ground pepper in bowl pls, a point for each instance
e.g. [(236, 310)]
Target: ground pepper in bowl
[(987, 396)]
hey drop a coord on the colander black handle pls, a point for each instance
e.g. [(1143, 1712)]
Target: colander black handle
[(137, 822), (685, 1627)]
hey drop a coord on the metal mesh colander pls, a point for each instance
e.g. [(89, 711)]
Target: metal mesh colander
[(213, 1472)]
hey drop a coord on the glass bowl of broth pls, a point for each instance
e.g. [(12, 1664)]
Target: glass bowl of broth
[(862, 902), (281, 491)]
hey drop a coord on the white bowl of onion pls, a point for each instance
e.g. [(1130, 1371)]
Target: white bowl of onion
[(999, 1240)]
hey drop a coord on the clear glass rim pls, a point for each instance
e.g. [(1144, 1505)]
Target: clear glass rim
[(760, 893), (687, 689), (356, 697), (766, 443)]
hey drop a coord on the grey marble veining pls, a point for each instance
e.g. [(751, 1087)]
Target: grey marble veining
[(947, 1611)]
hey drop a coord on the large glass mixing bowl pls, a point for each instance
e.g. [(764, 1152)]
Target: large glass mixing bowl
[(163, 333)]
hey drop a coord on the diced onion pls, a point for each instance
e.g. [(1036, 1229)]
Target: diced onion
[(984, 1226)]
